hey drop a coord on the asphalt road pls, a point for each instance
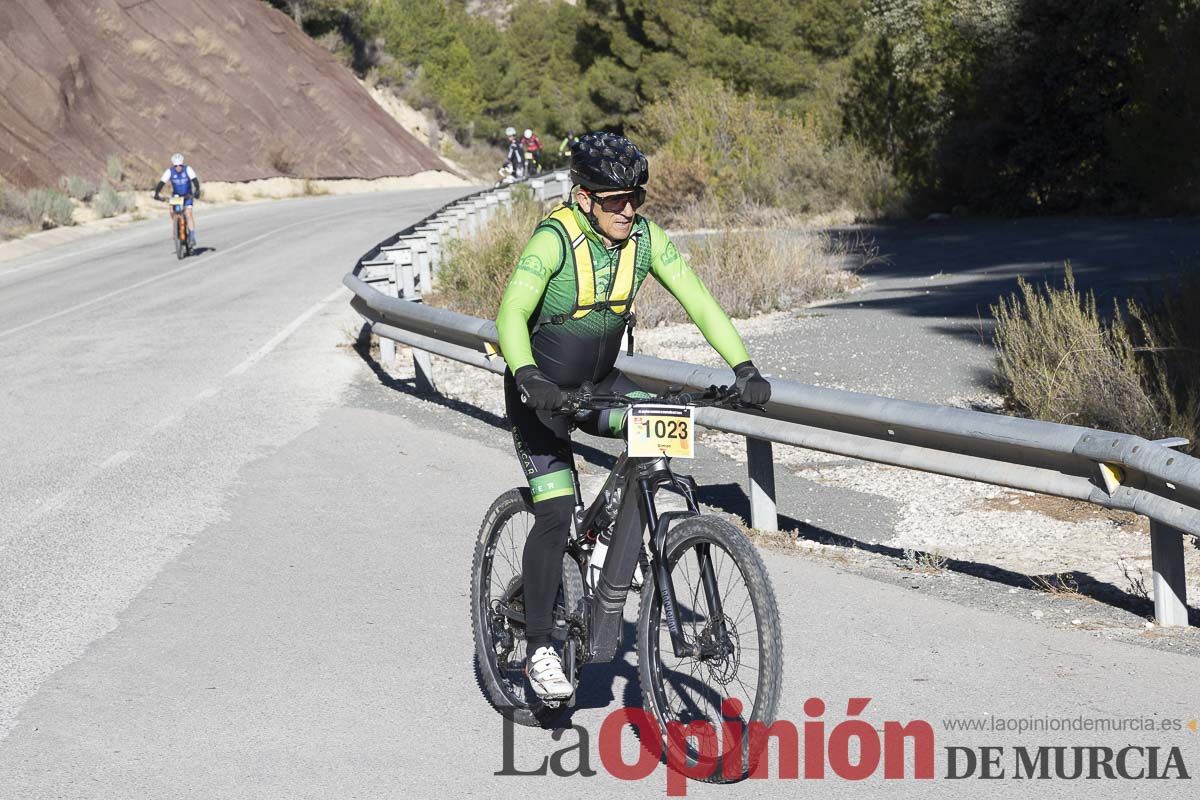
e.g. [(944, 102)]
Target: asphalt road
[(233, 561), (135, 387)]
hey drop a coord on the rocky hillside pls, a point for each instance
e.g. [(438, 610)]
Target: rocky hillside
[(233, 84)]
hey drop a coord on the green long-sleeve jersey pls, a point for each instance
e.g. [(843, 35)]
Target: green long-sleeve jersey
[(535, 322)]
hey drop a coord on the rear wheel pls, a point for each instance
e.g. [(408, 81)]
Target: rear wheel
[(496, 587), (744, 664)]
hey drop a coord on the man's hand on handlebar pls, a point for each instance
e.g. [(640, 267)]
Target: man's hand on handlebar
[(750, 384), (537, 391)]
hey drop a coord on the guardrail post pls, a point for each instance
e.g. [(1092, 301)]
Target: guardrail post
[(424, 273), (565, 185), (539, 188), (422, 362), (387, 348), (761, 466), (1170, 586)]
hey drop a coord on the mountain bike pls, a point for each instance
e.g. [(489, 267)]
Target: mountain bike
[(179, 227), (708, 624)]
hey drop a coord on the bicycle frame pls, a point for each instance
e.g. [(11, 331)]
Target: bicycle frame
[(637, 514)]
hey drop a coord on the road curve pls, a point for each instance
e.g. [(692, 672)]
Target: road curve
[(234, 561), (134, 387)]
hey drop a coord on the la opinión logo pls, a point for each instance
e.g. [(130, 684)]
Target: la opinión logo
[(699, 750)]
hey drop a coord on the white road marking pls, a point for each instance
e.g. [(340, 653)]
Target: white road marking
[(211, 391), (191, 262), (278, 338), (119, 457), (165, 423)]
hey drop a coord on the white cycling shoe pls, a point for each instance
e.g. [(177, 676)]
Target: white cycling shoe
[(546, 676)]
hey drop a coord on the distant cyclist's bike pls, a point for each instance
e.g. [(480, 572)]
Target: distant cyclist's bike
[(532, 167), (180, 231), (708, 627)]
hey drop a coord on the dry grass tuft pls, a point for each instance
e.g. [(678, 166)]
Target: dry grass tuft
[(1061, 584), (177, 76), (922, 561), (313, 189), (1136, 583), (748, 272), (282, 157), (476, 270), (209, 44), (755, 272), (145, 49), (1137, 372)]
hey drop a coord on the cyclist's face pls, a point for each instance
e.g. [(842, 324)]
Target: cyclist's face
[(614, 211), (178, 167)]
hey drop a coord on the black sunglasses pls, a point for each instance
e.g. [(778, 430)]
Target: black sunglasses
[(615, 203)]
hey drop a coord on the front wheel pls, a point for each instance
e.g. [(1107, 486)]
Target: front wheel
[(743, 658), (498, 608)]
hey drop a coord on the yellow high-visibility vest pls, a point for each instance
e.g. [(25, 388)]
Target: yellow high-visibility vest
[(621, 286)]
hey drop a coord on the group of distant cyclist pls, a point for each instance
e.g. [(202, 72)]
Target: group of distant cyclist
[(524, 156)]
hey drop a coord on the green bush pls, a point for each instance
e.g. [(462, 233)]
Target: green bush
[(79, 188), (110, 202), (1138, 372), (48, 208)]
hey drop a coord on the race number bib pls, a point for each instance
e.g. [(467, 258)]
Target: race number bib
[(654, 430)]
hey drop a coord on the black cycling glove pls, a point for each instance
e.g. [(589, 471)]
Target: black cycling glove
[(537, 391), (750, 384)]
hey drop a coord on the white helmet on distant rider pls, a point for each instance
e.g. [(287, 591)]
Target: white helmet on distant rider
[(510, 131), (177, 160), (528, 133)]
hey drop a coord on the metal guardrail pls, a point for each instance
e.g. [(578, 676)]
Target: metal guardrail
[(1112, 470)]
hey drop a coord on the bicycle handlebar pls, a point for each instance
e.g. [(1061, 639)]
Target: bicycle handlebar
[(586, 400)]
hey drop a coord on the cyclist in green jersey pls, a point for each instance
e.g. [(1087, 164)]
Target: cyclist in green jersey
[(560, 324)]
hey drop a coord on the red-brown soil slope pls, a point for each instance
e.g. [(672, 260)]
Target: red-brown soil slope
[(233, 84)]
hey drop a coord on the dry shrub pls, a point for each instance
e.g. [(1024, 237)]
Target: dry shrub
[(748, 272), (145, 49), (678, 191), (1138, 372), (12, 213), (110, 202), (177, 76), (48, 208), (79, 188), (476, 270), (712, 145), (114, 169), (755, 272), (311, 188), (282, 157), (209, 44)]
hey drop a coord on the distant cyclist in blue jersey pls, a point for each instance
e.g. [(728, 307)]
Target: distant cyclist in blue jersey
[(184, 183)]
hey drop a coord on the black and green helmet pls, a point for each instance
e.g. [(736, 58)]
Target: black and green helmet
[(601, 161)]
